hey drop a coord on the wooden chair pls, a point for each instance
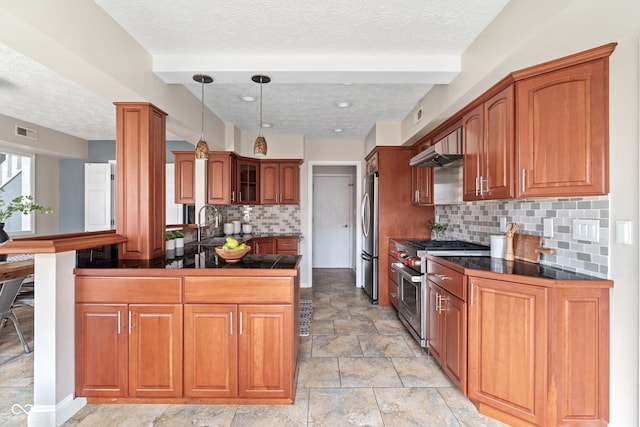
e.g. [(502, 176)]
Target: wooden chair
[(8, 294)]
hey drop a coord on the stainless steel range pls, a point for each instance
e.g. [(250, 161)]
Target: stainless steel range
[(412, 282)]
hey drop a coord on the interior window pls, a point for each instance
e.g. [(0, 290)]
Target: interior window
[(16, 178)]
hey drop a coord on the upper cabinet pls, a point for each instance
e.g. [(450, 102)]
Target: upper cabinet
[(185, 172), (563, 135), (220, 178), (488, 148), (280, 182), (421, 179), (247, 186)]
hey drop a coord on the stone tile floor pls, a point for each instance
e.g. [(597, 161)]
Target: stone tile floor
[(358, 367)]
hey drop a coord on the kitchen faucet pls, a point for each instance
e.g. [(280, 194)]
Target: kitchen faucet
[(216, 220)]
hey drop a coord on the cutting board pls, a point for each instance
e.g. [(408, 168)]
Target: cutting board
[(527, 247)]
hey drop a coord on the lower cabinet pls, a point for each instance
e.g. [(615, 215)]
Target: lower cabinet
[(539, 355), (274, 245), (264, 245), (238, 350), (115, 344), (447, 334)]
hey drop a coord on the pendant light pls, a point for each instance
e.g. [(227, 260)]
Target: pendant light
[(260, 146), (202, 149)]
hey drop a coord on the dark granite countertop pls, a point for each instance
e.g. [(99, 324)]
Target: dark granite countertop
[(520, 268), (205, 258)]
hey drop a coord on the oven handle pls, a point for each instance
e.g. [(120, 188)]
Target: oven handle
[(403, 271)]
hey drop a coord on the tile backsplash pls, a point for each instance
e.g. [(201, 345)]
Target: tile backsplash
[(267, 218), (476, 221)]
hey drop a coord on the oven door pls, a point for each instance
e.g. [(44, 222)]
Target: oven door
[(412, 302)]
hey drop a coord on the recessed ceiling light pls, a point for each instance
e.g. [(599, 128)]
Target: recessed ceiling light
[(248, 98), (266, 125), (343, 104), (338, 130)]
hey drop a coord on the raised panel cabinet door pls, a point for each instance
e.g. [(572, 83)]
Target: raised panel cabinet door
[(498, 148), (563, 146), (507, 347), (455, 342), (155, 350), (264, 246), (185, 175), (265, 351), (219, 178), (289, 186), (434, 323), (101, 350), (210, 350), (473, 137), (269, 183)]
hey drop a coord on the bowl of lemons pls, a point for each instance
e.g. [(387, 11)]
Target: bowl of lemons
[(232, 250)]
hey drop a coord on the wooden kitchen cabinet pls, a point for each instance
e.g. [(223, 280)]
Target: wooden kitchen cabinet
[(263, 245), (372, 162), (220, 177), (421, 179), (265, 351), (280, 182), (184, 163), (563, 134), (247, 188), (287, 245), (210, 350), (488, 131), (539, 355), (126, 347), (447, 322)]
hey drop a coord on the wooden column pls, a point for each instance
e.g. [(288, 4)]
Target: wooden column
[(140, 179)]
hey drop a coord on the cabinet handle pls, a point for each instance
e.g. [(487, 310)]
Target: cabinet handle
[(239, 196), (523, 178), (476, 185), (471, 297), (119, 312), (129, 322), (443, 277), (240, 323), (233, 196), (482, 186), (231, 323)]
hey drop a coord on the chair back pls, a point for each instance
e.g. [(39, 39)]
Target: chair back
[(8, 294)]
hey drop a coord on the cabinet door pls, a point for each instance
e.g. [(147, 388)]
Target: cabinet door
[(422, 181), (264, 246), (434, 327), (498, 159), (185, 173), (247, 181), (210, 350), (454, 331), (265, 351), (563, 147), (219, 178), (289, 183), (155, 350), (473, 131), (393, 282), (507, 346), (269, 183), (101, 350)]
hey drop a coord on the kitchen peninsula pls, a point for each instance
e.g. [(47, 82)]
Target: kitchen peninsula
[(210, 332)]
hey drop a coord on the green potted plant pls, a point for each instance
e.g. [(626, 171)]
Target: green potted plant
[(179, 238), (438, 229), (170, 240)]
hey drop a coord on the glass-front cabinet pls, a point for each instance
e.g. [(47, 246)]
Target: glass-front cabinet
[(248, 173)]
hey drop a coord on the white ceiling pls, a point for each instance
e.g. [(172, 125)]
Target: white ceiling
[(380, 56)]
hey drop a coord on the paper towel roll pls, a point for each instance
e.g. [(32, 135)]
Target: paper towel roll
[(498, 245)]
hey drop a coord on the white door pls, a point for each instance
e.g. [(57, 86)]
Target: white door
[(333, 221), (98, 196)]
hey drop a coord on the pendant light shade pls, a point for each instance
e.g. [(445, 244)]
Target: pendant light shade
[(260, 146), (202, 149)]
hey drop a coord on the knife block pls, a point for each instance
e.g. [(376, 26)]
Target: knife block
[(508, 252)]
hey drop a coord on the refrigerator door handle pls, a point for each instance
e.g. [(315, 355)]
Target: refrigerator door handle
[(365, 215), (366, 257)]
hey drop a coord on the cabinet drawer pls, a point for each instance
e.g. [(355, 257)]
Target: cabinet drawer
[(130, 290), (287, 246), (238, 290), (447, 279)]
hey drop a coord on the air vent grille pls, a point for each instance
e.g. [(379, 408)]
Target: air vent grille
[(26, 132)]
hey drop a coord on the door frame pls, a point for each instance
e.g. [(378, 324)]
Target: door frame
[(358, 197)]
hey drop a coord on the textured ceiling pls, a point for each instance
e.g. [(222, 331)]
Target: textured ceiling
[(380, 56)]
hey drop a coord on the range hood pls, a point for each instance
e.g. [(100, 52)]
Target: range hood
[(446, 152)]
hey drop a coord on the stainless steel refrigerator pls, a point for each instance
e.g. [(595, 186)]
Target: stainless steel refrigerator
[(369, 216)]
